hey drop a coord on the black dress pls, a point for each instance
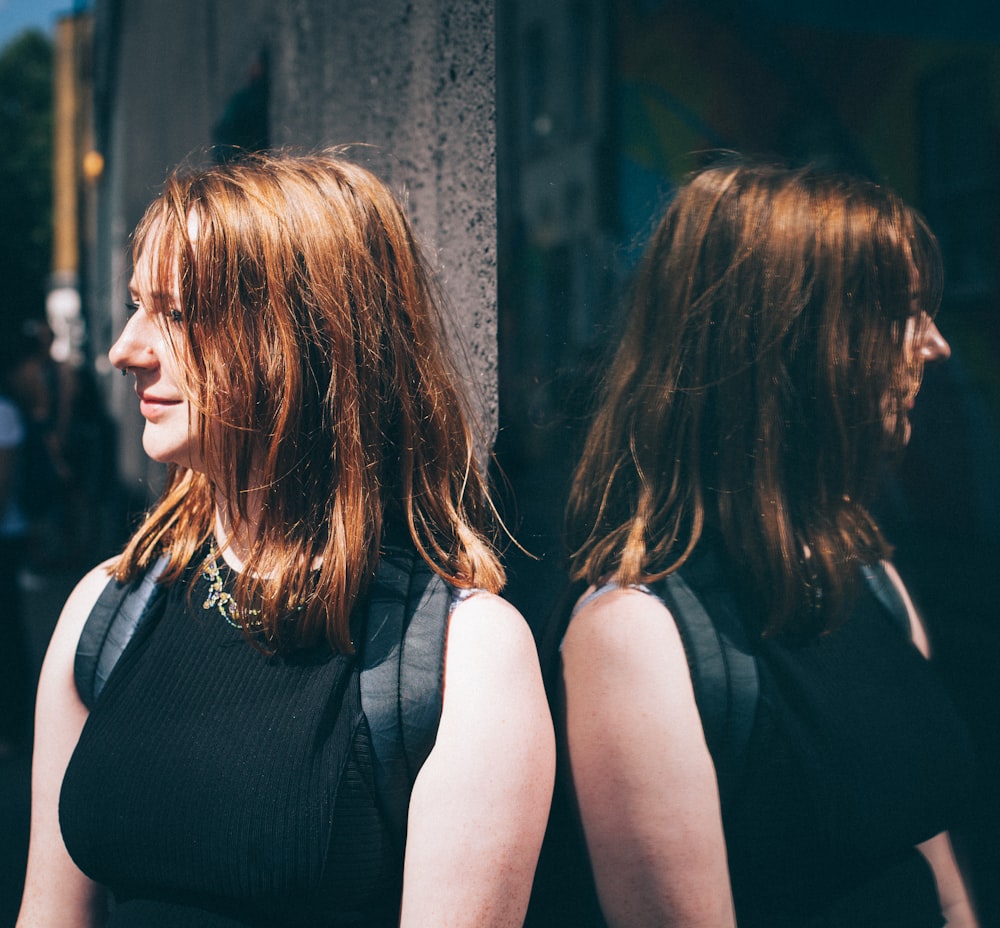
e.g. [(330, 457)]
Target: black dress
[(215, 785)]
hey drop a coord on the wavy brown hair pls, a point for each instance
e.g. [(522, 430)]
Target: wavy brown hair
[(314, 353), (760, 385)]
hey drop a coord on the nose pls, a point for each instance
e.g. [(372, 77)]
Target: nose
[(135, 347), (933, 346)]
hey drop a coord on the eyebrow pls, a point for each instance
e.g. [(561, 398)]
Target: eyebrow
[(157, 295)]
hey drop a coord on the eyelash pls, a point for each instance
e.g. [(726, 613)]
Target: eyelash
[(175, 314)]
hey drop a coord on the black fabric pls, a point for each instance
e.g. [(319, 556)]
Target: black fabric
[(856, 754), (216, 785), (401, 629)]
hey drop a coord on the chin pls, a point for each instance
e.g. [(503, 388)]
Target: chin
[(180, 457)]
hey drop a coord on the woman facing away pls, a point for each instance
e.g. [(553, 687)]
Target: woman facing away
[(289, 362), (780, 321)]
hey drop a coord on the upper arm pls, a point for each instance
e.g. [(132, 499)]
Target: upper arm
[(641, 771), (55, 891), (955, 902), (480, 803)]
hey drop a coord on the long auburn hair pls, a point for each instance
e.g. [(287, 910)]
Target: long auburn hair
[(327, 408), (760, 385)]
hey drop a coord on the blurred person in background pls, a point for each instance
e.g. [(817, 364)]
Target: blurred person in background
[(22, 389)]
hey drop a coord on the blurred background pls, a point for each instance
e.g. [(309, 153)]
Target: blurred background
[(535, 144)]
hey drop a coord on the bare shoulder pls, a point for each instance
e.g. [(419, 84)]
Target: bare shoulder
[(480, 802), (491, 668), (487, 632), (55, 891), (89, 588), (79, 605), (57, 669), (623, 629), (641, 771), (623, 655)]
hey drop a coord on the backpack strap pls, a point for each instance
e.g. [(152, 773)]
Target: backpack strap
[(721, 659), (401, 662), (119, 612), (720, 655), (402, 674)]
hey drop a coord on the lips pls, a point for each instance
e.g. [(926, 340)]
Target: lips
[(153, 406)]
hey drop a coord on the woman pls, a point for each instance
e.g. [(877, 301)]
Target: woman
[(780, 322), (288, 358)]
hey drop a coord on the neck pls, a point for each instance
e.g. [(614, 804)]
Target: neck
[(235, 541)]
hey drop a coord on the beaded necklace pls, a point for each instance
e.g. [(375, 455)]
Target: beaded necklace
[(221, 599)]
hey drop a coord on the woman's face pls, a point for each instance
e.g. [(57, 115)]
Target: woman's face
[(923, 344), (149, 348)]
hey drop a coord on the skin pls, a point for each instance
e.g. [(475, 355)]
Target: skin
[(643, 777), (929, 346), (480, 802), (146, 351)]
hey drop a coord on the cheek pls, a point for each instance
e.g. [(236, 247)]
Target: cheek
[(177, 369)]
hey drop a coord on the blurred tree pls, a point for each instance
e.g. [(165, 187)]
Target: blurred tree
[(25, 177)]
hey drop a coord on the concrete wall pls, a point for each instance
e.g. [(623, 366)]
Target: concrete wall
[(413, 83)]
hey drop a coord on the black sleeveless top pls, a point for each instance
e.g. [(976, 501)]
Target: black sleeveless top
[(856, 755), (216, 785)]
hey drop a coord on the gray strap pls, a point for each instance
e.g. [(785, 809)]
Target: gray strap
[(722, 663), (402, 674), (117, 615)]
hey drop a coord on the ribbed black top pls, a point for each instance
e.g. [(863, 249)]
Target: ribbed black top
[(857, 755), (215, 785)]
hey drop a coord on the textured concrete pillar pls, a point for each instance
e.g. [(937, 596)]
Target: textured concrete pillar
[(415, 82)]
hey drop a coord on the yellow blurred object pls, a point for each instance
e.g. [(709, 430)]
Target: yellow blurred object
[(93, 165)]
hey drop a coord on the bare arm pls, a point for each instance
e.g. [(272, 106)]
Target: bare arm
[(56, 893), (644, 780), (955, 902), (480, 803)]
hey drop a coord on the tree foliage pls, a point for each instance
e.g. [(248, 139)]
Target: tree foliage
[(25, 176)]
